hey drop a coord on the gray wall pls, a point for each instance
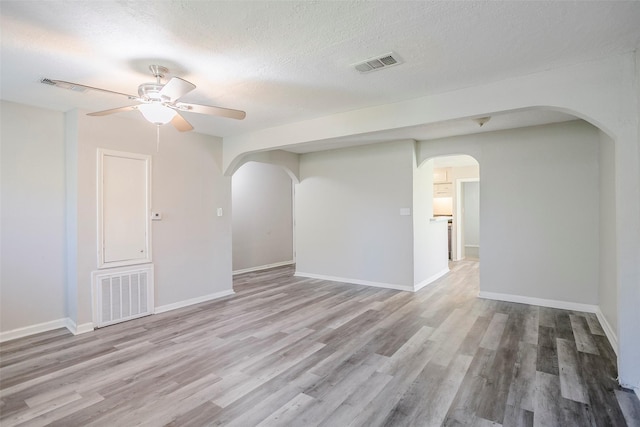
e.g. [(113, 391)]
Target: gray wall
[(191, 244), (546, 213), (46, 266), (540, 213), (348, 222), (608, 289), (539, 209), (32, 261), (262, 199), (429, 238)]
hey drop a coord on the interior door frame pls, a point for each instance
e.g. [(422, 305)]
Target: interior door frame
[(458, 217)]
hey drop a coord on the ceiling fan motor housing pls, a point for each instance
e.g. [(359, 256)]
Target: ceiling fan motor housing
[(150, 91)]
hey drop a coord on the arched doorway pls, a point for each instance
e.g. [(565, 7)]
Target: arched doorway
[(456, 195), (262, 217)]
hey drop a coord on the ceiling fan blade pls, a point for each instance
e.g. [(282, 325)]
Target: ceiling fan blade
[(213, 111), (81, 88), (181, 123), (113, 110), (175, 88)]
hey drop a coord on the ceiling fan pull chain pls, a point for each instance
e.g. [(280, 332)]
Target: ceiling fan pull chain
[(157, 138)]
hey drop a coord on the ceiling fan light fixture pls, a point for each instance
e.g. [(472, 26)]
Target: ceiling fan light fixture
[(156, 113), (158, 103)]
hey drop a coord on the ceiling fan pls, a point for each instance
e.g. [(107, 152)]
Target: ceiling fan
[(159, 103)]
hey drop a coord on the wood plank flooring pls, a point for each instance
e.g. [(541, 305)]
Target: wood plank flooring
[(304, 352)]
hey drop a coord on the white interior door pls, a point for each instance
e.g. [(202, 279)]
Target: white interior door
[(123, 208)]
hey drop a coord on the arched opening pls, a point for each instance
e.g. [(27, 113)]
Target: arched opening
[(456, 195), (546, 203), (446, 192), (262, 217)]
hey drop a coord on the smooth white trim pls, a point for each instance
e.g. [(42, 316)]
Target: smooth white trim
[(264, 267), (192, 301), (608, 330), (78, 329), (430, 280), (564, 305), (33, 329), (354, 281)]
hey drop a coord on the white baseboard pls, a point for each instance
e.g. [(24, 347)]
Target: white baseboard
[(192, 301), (263, 267), (608, 330), (46, 326), (354, 281), (430, 280), (78, 329), (33, 329), (88, 327), (564, 305)]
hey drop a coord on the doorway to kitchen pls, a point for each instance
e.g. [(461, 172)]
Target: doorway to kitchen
[(456, 197)]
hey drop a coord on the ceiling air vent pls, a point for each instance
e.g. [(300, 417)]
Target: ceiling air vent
[(384, 61)]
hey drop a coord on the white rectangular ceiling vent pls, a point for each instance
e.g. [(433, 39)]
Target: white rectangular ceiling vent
[(383, 61)]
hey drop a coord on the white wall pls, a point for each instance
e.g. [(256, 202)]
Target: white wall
[(348, 222), (430, 254), (608, 284), (32, 269), (262, 216)]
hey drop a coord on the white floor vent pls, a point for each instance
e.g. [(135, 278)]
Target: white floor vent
[(121, 294)]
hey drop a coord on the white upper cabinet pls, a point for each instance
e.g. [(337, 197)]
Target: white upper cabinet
[(440, 175)]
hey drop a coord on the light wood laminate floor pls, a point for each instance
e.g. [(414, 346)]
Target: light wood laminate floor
[(302, 352)]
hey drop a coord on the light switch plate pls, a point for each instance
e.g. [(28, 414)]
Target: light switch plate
[(405, 211)]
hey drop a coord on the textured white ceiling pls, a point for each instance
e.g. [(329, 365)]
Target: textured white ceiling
[(284, 62)]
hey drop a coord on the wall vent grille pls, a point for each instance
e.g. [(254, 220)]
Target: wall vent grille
[(383, 61), (122, 295)]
